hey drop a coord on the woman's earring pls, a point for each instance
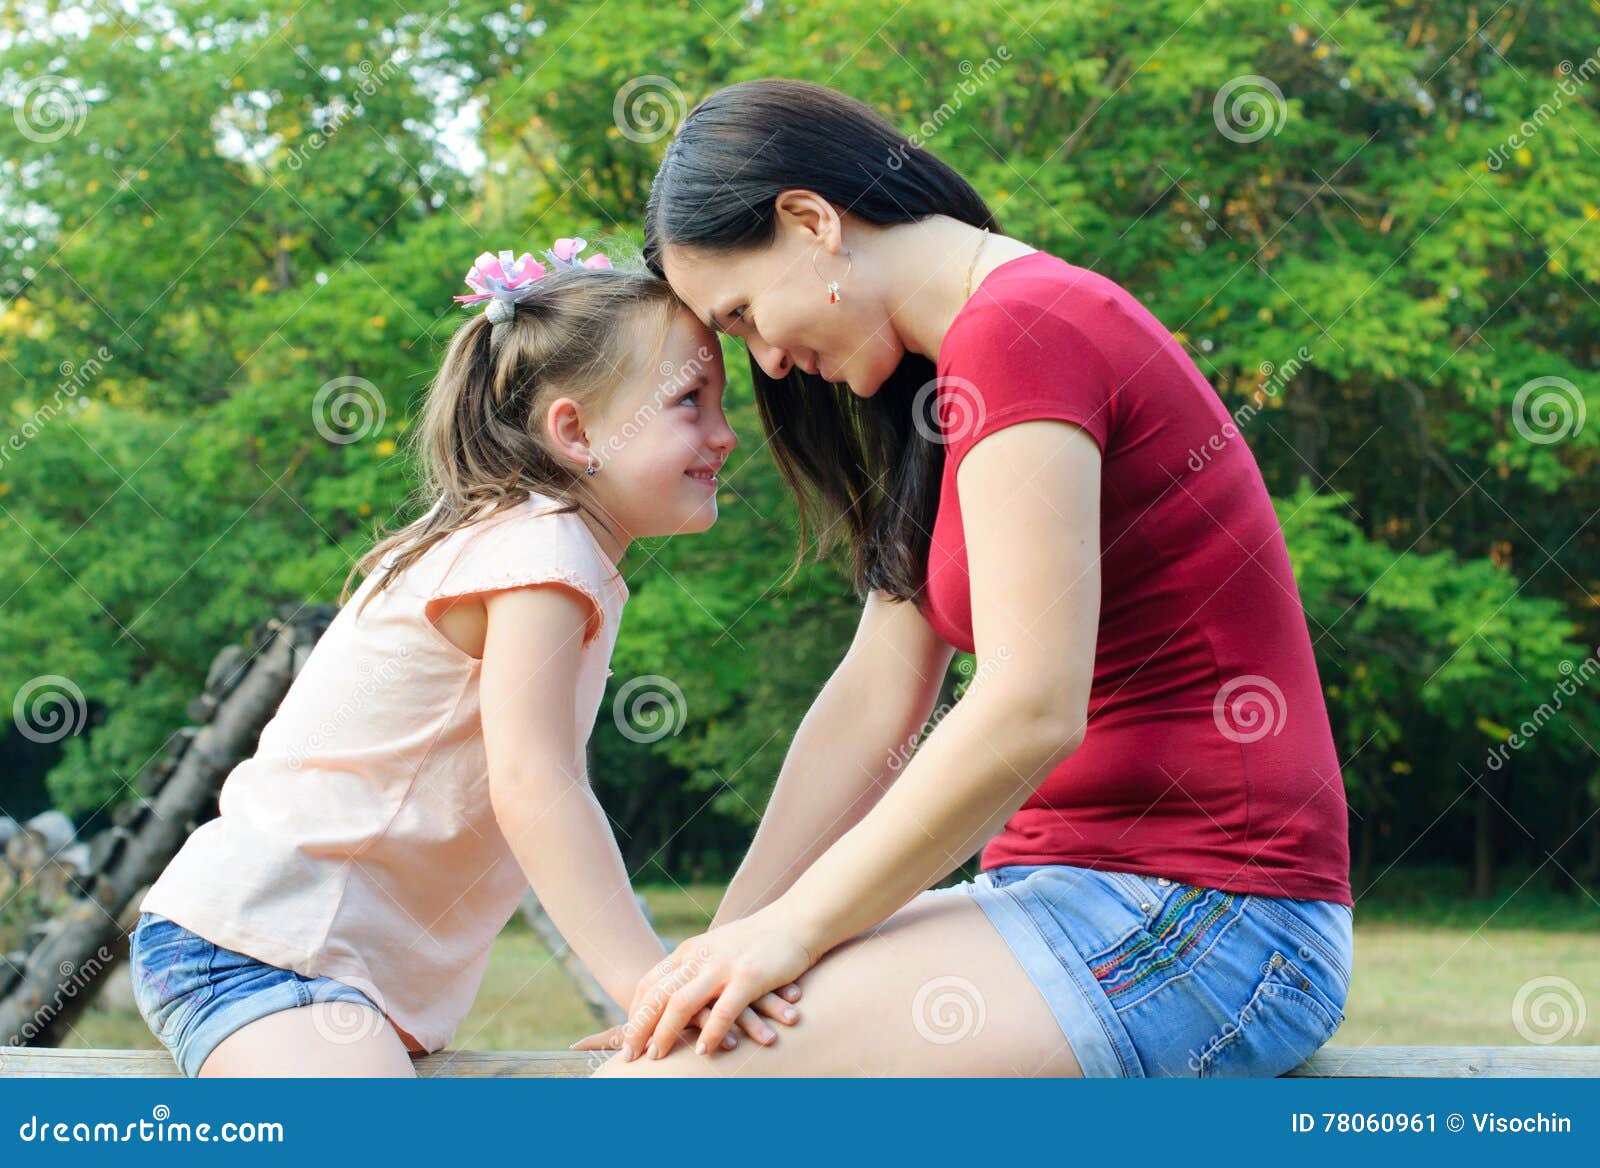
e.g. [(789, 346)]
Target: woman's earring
[(592, 468), (833, 285)]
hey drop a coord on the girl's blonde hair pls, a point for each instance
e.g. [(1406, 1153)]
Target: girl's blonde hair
[(481, 441)]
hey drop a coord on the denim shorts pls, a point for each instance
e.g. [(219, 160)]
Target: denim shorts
[(1151, 978), (193, 994)]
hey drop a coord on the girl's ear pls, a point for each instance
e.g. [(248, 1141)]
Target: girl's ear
[(564, 427)]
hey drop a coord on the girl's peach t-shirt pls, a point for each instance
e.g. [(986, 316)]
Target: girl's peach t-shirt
[(358, 842)]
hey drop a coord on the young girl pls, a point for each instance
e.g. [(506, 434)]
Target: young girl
[(428, 760)]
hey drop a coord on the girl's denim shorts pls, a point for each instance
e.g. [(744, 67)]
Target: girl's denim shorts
[(1152, 978), (193, 994)]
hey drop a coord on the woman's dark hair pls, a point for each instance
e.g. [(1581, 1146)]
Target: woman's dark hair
[(865, 460)]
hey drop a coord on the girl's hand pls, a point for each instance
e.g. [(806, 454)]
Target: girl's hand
[(727, 969), (775, 1006)]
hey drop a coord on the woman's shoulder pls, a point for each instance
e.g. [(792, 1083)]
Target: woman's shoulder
[(1016, 294)]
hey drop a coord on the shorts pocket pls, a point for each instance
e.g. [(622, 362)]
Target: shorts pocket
[(1286, 1020), (1174, 936)]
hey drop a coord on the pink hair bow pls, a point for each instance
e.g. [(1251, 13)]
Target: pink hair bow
[(502, 277), (565, 252)]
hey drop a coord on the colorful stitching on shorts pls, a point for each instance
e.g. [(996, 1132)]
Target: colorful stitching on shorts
[(1132, 963)]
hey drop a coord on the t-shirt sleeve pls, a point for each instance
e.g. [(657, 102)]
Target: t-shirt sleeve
[(521, 552), (1009, 362)]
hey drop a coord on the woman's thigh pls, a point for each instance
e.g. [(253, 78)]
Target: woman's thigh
[(322, 1040), (932, 991)]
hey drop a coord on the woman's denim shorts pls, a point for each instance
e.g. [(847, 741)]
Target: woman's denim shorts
[(1151, 978), (193, 994)]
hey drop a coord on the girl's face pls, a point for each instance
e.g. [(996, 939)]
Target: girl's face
[(775, 299), (663, 438)]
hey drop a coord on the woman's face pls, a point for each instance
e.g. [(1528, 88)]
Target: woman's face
[(775, 299)]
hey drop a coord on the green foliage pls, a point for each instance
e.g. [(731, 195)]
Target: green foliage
[(258, 202)]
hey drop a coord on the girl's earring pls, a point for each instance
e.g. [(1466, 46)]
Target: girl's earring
[(592, 468), (833, 285)]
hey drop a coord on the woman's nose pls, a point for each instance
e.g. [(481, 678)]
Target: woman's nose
[(774, 362)]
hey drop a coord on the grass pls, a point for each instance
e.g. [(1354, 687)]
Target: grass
[(1432, 968)]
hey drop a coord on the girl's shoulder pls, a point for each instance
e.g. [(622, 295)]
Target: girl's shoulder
[(532, 542)]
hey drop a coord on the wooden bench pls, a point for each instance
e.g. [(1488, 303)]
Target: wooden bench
[(1331, 1062)]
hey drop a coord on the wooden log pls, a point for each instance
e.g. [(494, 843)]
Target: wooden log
[(227, 670), (47, 1063), (53, 990), (26, 852), (1452, 1062), (1393, 1062), (56, 828)]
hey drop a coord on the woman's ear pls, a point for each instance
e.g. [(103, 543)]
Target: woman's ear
[(813, 219), (564, 427)]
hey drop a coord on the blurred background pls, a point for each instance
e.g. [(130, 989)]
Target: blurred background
[(229, 236)]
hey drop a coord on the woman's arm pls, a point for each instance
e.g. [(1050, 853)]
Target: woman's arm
[(1030, 505), (539, 785), (846, 752)]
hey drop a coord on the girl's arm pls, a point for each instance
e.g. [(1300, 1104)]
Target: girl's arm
[(539, 784), (545, 807), (1030, 505), (852, 743)]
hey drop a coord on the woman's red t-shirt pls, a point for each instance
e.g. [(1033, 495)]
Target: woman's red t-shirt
[(1208, 757)]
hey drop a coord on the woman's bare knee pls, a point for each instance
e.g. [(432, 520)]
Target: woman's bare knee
[(933, 991)]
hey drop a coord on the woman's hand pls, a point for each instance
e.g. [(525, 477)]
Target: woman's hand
[(728, 969), (775, 1006)]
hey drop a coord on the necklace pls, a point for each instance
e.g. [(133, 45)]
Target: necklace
[(973, 266)]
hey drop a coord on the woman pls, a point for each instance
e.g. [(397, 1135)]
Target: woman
[(1007, 442)]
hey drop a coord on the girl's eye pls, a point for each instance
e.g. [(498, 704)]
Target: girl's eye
[(692, 397)]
